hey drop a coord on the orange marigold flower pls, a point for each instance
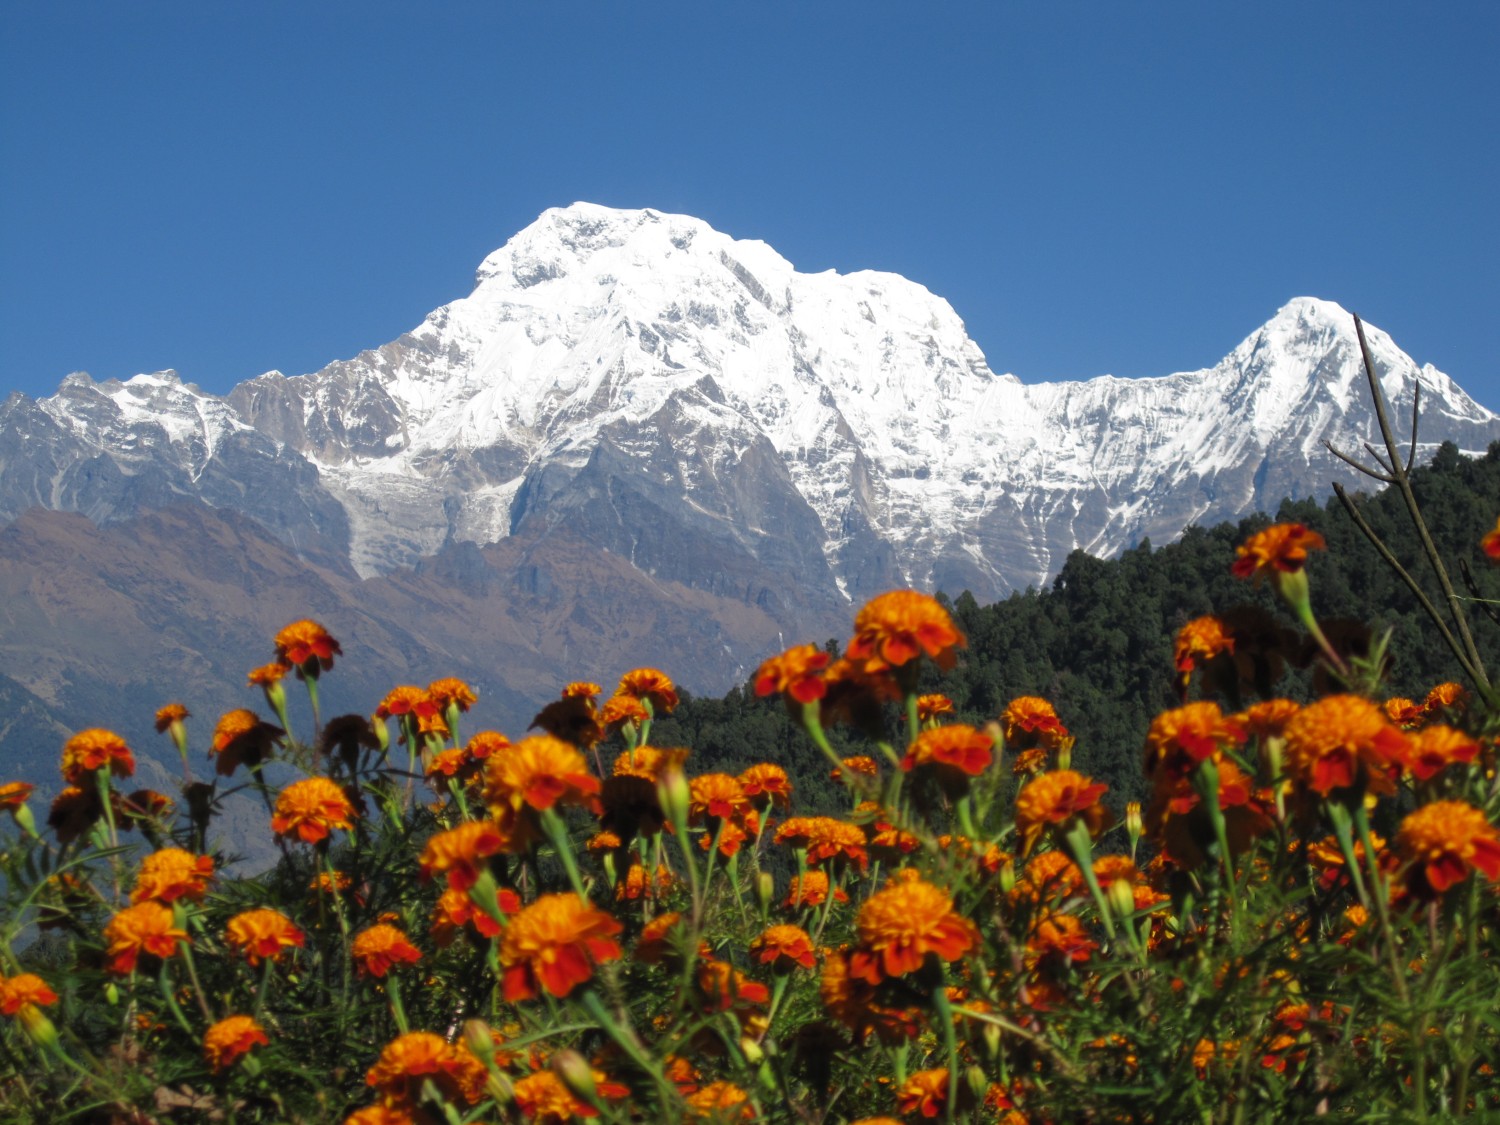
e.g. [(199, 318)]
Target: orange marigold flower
[(1049, 876), (924, 1093), (1053, 800), (554, 944), (241, 738), (380, 1114), (893, 629), (406, 699), (143, 928), (929, 707), (1340, 741), (22, 989), (1029, 721), (811, 889), (957, 747), (648, 762), (173, 873), (228, 1040), (724, 988), (451, 690), (460, 853), (91, 750), (1181, 738), (14, 794), (171, 713), (581, 689), (454, 910), (1058, 939), (1444, 696), (648, 684), (380, 948), (825, 838), (1202, 638), (310, 809), (797, 672), (485, 743), (262, 934), (621, 709), (542, 1098), (782, 947), (537, 772), (1404, 713), (1267, 719), (654, 945), (861, 764), (715, 795), (420, 1056), (1282, 548), (766, 784), (900, 924), (635, 885), (268, 675), (1442, 842), (307, 646), (1435, 749), (1490, 544), (721, 1101)]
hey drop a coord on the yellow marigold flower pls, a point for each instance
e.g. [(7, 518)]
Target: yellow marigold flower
[(143, 928), (460, 853), (21, 990), (380, 948), (1029, 721), (228, 1040), (650, 684), (1202, 638), (554, 944), (902, 923), (716, 795), (1435, 749), (895, 628), (924, 1093), (310, 809), (451, 691), (262, 934), (537, 772), (173, 873), (171, 713), (307, 646), (1340, 741), (420, 1056), (782, 947), (1282, 548), (1442, 842), (766, 784), (94, 749), (721, 1101), (957, 747), (929, 707), (1053, 800), (1490, 544), (797, 673)]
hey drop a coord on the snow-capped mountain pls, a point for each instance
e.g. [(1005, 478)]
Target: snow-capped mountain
[(690, 402)]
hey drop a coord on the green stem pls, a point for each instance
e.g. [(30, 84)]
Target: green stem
[(557, 833)]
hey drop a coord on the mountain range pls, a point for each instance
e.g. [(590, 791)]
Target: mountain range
[(636, 441)]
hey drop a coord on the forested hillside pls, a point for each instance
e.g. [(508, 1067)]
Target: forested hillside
[(1098, 642)]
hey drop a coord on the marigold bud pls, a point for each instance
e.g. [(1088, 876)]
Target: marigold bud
[(1121, 898), (576, 1074), (675, 796)]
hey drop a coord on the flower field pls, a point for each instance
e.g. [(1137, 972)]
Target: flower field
[(577, 923)]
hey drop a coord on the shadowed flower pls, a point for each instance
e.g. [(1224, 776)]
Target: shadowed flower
[(460, 853), (306, 646), (537, 772), (1490, 544), (1053, 800), (783, 947), (380, 1114), (573, 718), (1183, 737), (1433, 750), (1342, 741), (1267, 719), (553, 945), (1202, 638), (1444, 697), (454, 910), (241, 738), (648, 684), (1280, 548), (262, 934), (173, 873), (380, 948), (954, 748), (656, 943), (1442, 842), (92, 750), (797, 673), (902, 923), (543, 1099), (724, 988), (421, 1056), (73, 812), (894, 628), (929, 707), (924, 1093), (811, 889), (22, 989), (310, 809), (1029, 722), (766, 784), (825, 838), (228, 1040), (451, 692), (143, 928), (852, 1003), (715, 796)]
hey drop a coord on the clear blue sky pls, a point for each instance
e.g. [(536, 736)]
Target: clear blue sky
[(226, 188)]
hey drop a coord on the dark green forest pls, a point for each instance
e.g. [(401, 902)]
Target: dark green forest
[(1098, 642)]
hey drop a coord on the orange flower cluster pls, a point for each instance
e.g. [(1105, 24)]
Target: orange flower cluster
[(262, 934), (1343, 742), (796, 673), (826, 840), (229, 1040), (553, 945), (1030, 722), (380, 948), (407, 1063), (894, 629), (954, 752), (904, 922), (537, 773), (171, 874), (307, 647), (312, 808), (1202, 638), (146, 928), (89, 751), (1057, 800)]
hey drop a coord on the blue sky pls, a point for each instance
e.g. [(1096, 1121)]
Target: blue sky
[(1129, 188)]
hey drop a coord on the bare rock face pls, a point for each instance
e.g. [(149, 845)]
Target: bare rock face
[(639, 435)]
